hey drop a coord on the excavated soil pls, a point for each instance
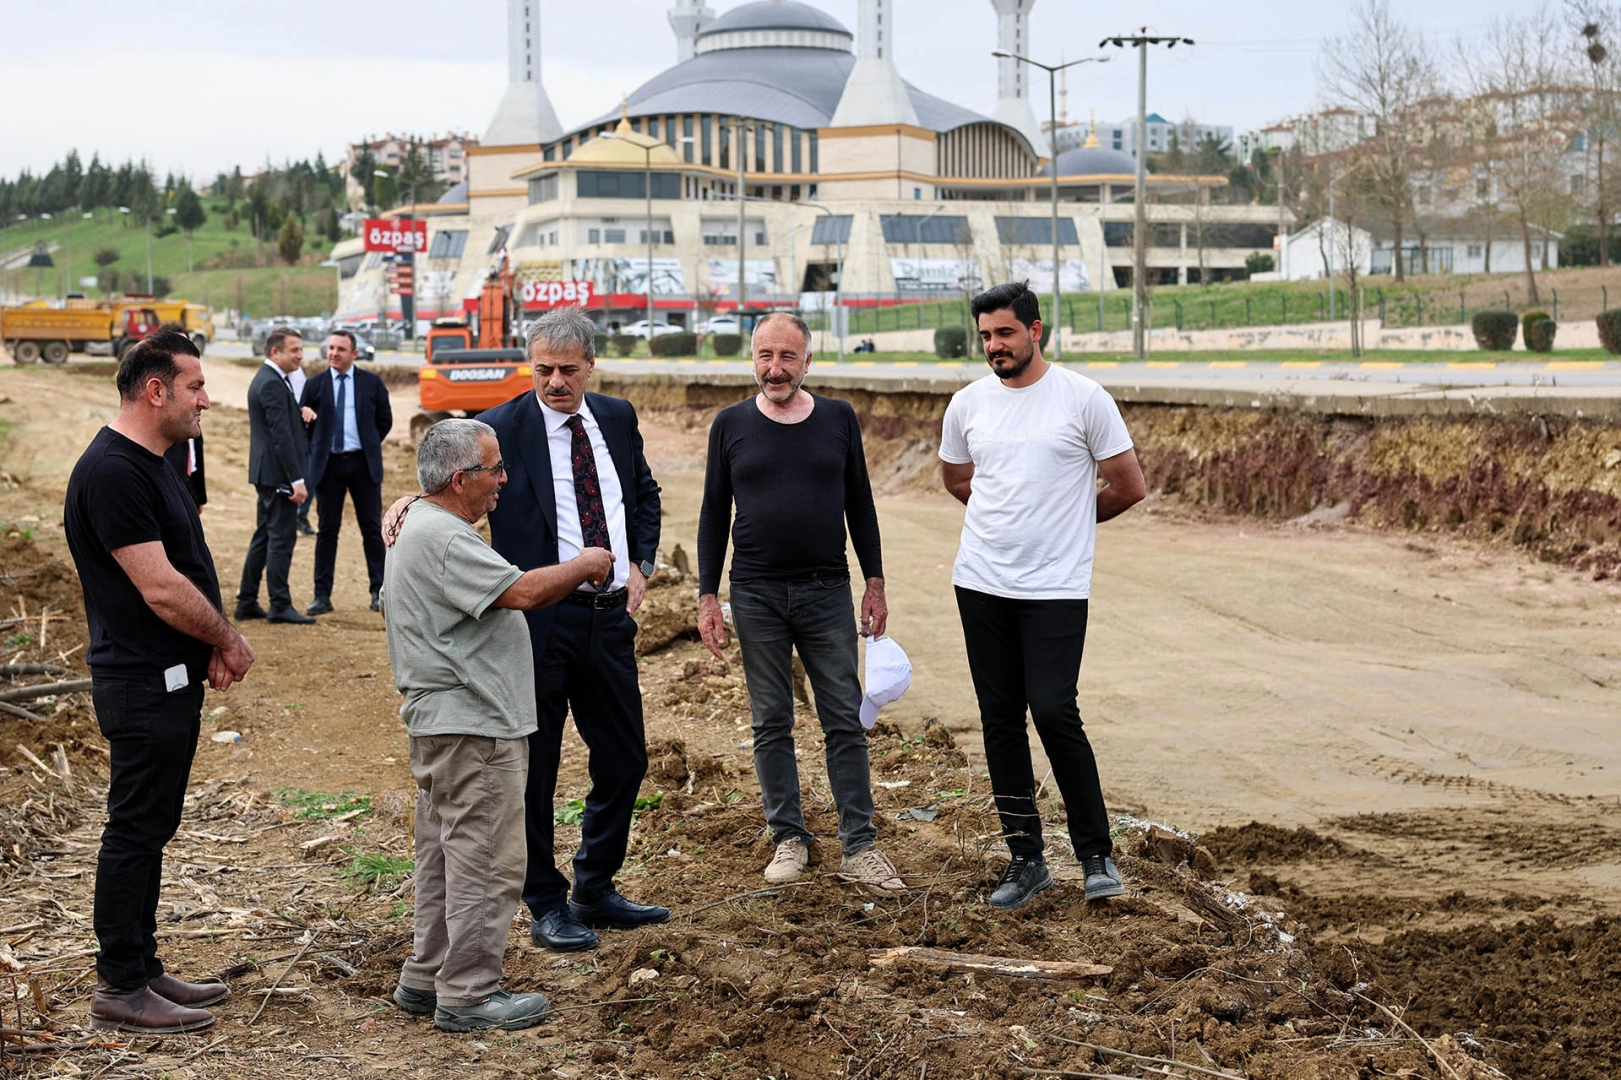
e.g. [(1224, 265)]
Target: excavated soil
[(1428, 893)]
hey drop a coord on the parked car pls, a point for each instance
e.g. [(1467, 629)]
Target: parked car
[(722, 324), (638, 329)]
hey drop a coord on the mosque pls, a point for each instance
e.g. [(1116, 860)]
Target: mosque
[(849, 176)]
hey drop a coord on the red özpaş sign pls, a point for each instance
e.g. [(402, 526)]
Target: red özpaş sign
[(400, 237), (550, 294)]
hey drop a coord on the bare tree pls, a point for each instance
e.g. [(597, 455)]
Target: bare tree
[(1597, 26), (1384, 69), (1527, 120)]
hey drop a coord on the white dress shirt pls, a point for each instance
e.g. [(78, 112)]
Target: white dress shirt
[(570, 540)]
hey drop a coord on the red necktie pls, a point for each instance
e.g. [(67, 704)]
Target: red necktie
[(587, 488)]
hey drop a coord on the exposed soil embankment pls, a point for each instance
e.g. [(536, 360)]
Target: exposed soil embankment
[(1549, 484)]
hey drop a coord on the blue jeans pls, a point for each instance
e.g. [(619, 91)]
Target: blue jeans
[(773, 619)]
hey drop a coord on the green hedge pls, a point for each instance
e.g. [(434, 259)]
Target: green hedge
[(1609, 330), (1495, 330), (1539, 334), (680, 343), (950, 342), (624, 344), (601, 347), (727, 344)]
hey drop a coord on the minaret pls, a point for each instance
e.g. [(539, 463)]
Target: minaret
[(525, 115), (1013, 77), (687, 19), (874, 92)]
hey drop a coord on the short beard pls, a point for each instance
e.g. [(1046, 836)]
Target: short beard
[(1020, 363), (793, 386)]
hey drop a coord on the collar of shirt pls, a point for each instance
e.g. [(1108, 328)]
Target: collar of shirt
[(273, 366), (336, 374), (555, 419)]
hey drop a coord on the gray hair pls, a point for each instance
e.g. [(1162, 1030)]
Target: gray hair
[(564, 329), (799, 324), (447, 448)]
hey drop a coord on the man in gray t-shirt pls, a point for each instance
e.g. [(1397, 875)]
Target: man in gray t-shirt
[(459, 647)]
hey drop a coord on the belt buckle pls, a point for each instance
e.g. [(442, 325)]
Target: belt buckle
[(604, 601)]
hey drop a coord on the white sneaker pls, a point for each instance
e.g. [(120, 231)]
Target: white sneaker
[(789, 863), (870, 868)]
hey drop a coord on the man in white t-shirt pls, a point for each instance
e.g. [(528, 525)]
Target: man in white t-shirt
[(1023, 448)]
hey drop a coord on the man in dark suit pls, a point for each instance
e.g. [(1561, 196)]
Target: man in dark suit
[(278, 458), (577, 478), (347, 416)]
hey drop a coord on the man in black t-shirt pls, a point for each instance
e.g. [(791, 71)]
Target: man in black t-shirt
[(793, 464), (152, 600)]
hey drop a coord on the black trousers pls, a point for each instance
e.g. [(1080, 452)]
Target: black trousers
[(152, 736), (589, 665), (1026, 654), (347, 474), (270, 552)]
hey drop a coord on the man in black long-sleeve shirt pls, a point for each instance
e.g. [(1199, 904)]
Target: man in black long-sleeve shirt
[(793, 464)]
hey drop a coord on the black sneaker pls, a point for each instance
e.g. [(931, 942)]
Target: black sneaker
[(1102, 877), (1024, 877)]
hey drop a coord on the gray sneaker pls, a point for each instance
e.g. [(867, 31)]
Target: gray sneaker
[(502, 1009), (412, 1000), (1102, 877), (1023, 878)]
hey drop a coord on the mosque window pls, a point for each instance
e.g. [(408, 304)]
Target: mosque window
[(686, 131), (776, 148), (759, 149), (725, 144), (601, 184), (448, 244), (925, 229), (593, 236), (1030, 230), (797, 155), (832, 229), (542, 189), (613, 236), (815, 164)]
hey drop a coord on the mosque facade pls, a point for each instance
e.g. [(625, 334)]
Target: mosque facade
[(849, 176)]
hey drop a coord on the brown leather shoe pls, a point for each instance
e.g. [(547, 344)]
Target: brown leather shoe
[(143, 1011), (189, 995)]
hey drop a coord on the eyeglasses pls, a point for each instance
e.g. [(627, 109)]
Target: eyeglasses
[(499, 466)]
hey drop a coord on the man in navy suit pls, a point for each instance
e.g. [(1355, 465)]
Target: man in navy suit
[(577, 478), (347, 414)]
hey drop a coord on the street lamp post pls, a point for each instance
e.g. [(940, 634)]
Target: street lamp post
[(838, 285), (1139, 269), (1052, 71), (646, 144)]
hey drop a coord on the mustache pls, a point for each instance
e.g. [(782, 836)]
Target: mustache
[(779, 380)]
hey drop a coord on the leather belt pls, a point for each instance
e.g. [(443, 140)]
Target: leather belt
[(599, 601)]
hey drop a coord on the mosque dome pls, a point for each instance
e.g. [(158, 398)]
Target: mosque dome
[(1093, 160), (775, 23)]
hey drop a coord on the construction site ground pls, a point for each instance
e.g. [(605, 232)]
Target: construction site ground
[(1382, 754)]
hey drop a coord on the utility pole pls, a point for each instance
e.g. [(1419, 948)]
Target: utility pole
[(1139, 255), (742, 226), (1053, 71)]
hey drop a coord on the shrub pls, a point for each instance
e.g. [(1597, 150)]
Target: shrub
[(624, 344), (601, 347), (727, 344), (950, 342), (1609, 330), (105, 256), (1494, 330), (680, 343), (1539, 334), (1259, 262), (1526, 320)]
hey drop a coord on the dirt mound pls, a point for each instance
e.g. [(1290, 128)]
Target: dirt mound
[(1260, 843)]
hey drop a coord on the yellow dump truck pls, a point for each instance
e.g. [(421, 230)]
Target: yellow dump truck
[(30, 332), (198, 319)]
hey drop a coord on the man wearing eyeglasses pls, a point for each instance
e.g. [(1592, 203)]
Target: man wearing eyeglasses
[(460, 654)]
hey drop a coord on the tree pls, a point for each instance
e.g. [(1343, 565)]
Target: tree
[(105, 256), (1383, 69), (1597, 25), (290, 241), (189, 215)]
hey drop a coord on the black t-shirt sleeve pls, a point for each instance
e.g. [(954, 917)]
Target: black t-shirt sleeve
[(123, 507), (715, 517), (859, 510)]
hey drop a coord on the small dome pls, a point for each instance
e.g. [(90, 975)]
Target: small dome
[(1093, 161), (625, 146), (456, 193), (774, 15)]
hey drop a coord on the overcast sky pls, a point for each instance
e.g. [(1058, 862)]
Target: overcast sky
[(200, 85)]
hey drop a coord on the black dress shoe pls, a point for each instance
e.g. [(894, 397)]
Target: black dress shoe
[(288, 614), (377, 599), (248, 609), (321, 606), (304, 529), (613, 910), (557, 931)]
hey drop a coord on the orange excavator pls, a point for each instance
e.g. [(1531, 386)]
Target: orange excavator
[(473, 365)]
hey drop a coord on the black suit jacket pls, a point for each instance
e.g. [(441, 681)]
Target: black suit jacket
[(279, 451), (523, 526), (373, 416)]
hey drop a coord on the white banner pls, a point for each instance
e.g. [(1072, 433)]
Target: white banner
[(936, 275), (1039, 273), (630, 275), (758, 274)]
